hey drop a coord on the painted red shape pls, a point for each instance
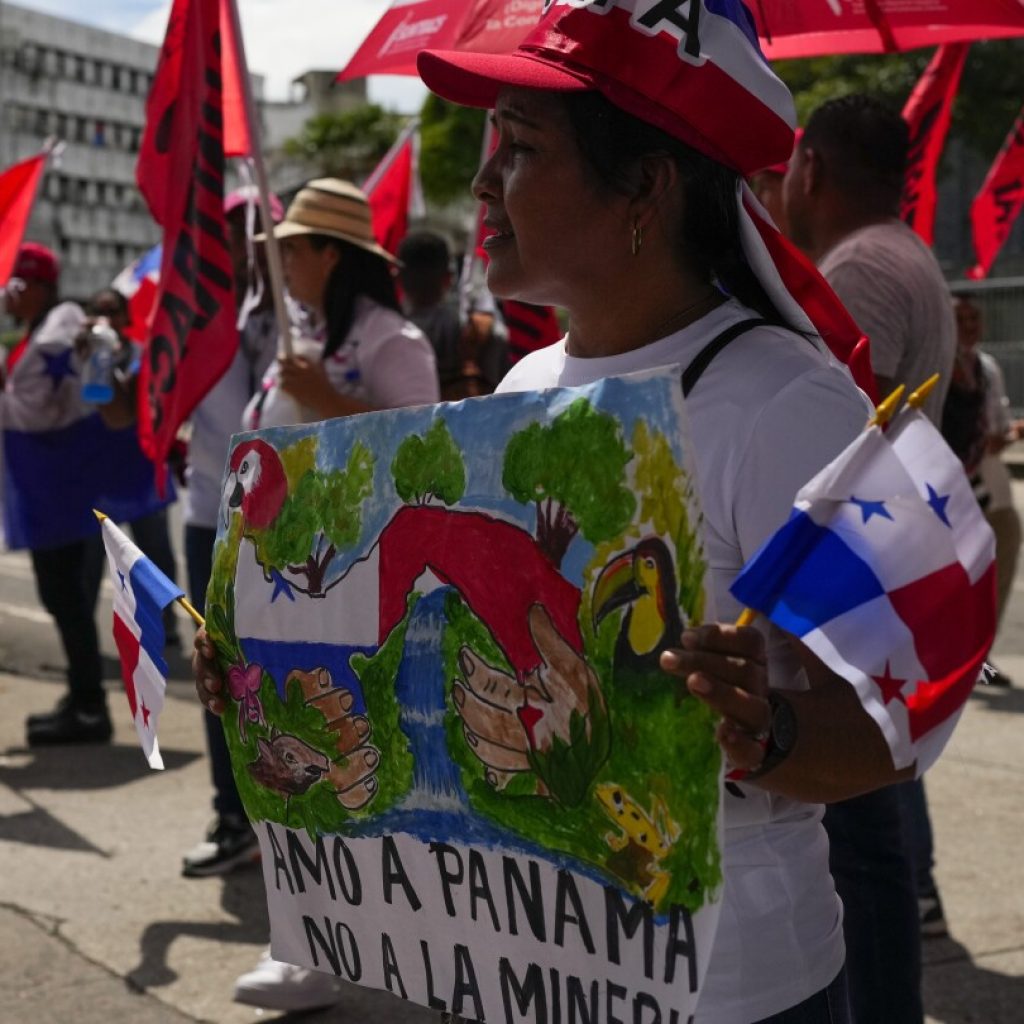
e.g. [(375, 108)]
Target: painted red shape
[(497, 567)]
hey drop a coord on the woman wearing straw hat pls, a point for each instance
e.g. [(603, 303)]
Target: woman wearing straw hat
[(370, 356), (625, 130)]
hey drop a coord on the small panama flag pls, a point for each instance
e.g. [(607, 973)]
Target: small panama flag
[(886, 571), (141, 593)]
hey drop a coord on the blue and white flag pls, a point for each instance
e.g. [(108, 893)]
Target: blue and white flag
[(141, 593)]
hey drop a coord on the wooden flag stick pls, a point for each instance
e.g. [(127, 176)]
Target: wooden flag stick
[(884, 412)]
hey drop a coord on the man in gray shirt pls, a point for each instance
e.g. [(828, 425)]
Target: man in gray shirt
[(842, 194)]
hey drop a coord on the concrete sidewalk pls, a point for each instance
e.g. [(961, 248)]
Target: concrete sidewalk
[(97, 925)]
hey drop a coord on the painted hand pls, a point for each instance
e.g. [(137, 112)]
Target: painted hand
[(725, 667), (512, 726), (354, 774)]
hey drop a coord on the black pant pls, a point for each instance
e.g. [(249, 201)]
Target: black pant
[(68, 581), (199, 560), (873, 876)]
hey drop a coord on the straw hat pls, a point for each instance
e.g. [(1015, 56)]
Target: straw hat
[(332, 207)]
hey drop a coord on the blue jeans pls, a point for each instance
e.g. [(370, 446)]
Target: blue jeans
[(199, 562), (872, 872), (829, 1006)]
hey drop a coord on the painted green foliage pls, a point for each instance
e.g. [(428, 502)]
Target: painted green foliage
[(321, 516), (429, 467), (575, 472), (666, 500)]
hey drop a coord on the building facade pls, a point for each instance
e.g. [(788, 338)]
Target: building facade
[(87, 88)]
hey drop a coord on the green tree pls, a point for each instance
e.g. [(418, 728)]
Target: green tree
[(429, 467), (347, 144), (450, 141), (321, 516), (575, 472), (988, 101)]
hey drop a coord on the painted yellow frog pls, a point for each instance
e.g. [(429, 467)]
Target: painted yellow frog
[(645, 838)]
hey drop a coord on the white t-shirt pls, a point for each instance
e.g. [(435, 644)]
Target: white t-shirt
[(43, 391), (384, 361), (767, 414), (218, 415), (891, 283)]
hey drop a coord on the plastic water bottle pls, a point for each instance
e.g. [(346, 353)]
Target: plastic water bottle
[(98, 372)]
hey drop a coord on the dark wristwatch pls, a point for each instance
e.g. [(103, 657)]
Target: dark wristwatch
[(781, 735)]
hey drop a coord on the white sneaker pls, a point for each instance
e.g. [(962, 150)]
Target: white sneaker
[(273, 985)]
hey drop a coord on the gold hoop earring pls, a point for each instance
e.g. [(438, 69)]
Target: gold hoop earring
[(638, 238)]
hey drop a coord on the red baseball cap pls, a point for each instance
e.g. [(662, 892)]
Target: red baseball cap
[(700, 77), (35, 262)]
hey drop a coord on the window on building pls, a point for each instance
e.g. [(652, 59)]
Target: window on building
[(116, 79), (42, 119)]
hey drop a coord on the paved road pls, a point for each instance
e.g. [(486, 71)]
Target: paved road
[(97, 926)]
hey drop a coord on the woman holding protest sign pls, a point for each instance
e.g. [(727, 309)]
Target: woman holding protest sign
[(616, 193)]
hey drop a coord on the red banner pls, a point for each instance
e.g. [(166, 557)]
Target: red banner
[(389, 191), (180, 171), (928, 113), (18, 187), (789, 29), (237, 136), (997, 204), (408, 26)]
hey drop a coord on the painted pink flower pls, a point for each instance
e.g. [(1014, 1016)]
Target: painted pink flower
[(244, 683)]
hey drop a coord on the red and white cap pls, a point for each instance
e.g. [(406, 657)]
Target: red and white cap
[(695, 70)]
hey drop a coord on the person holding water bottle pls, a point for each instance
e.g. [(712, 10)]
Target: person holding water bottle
[(61, 461)]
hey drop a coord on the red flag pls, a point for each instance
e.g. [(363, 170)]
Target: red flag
[(408, 26), (997, 204), (237, 137), (18, 187), (180, 171), (390, 189), (529, 328), (928, 113)]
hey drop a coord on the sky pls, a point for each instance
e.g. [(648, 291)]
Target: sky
[(283, 38)]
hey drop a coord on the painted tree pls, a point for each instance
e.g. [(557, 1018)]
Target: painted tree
[(575, 472), (429, 467), (321, 516)]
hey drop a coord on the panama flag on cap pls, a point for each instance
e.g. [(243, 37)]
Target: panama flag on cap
[(141, 593), (885, 570)]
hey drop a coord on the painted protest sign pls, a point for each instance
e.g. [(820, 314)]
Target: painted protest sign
[(471, 784)]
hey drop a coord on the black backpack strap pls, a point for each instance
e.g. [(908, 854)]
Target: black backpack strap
[(702, 360)]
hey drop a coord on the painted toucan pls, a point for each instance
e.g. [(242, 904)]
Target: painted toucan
[(645, 579), (256, 483)]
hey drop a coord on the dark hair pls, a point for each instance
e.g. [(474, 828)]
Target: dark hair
[(864, 144), (358, 272), (425, 250), (611, 141), (107, 293)]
